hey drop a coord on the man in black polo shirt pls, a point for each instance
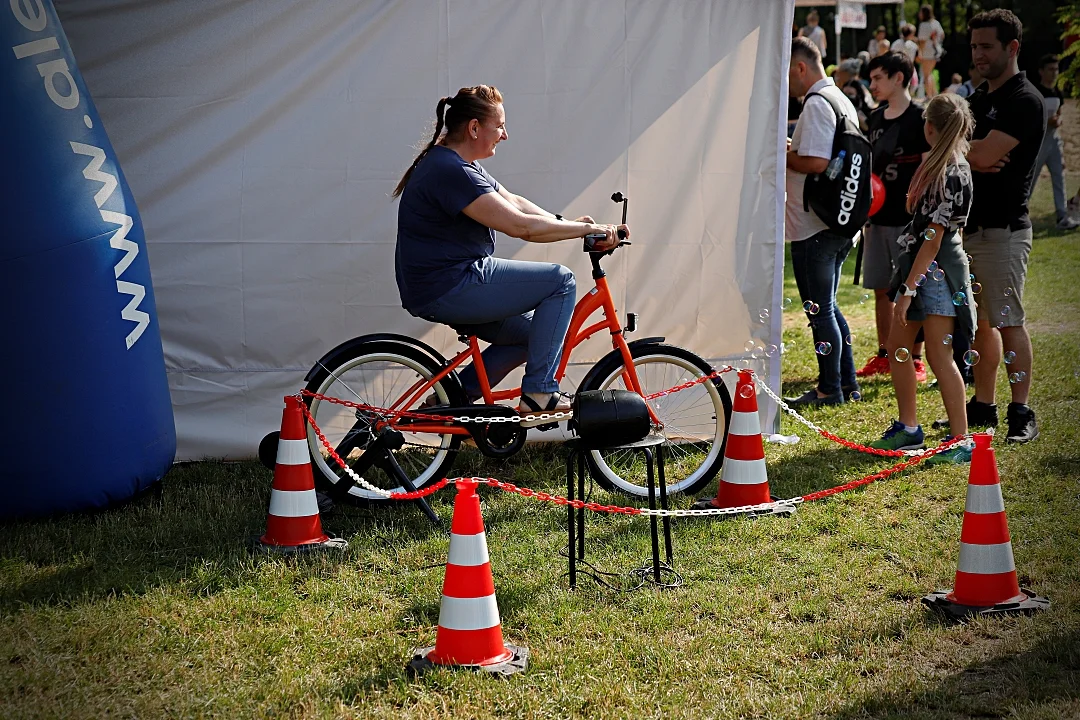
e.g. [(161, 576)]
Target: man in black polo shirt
[(1009, 127)]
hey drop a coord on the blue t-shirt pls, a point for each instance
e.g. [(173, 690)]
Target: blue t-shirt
[(436, 242)]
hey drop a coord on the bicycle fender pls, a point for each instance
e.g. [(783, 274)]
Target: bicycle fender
[(647, 341), (331, 357)]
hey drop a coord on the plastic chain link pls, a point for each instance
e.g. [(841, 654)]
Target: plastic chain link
[(386, 412), (915, 457)]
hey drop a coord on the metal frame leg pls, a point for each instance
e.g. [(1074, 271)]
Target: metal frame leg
[(651, 482), (664, 504), (570, 541)]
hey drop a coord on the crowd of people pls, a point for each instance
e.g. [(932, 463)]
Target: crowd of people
[(946, 254)]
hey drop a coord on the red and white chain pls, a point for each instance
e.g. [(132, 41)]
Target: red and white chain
[(414, 415)]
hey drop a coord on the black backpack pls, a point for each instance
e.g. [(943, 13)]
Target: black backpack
[(844, 202)]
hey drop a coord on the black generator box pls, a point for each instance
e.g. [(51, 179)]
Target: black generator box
[(608, 418)]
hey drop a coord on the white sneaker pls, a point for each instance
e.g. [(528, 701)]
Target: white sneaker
[(1068, 223)]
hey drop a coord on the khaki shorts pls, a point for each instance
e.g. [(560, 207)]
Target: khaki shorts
[(880, 253), (999, 260)]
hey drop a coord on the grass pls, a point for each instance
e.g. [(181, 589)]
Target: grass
[(157, 609)]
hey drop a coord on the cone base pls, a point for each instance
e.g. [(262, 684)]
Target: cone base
[(1028, 603), (326, 542), (518, 662)]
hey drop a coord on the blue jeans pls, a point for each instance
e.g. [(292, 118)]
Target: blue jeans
[(816, 263), (522, 308)]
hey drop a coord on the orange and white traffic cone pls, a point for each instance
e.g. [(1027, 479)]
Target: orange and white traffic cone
[(743, 480), (470, 631), (292, 522), (986, 581)]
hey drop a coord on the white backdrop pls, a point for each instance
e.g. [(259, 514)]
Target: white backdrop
[(262, 139)]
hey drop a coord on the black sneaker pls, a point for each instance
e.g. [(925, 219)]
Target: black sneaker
[(979, 414), (1022, 425), (810, 399), (982, 414)]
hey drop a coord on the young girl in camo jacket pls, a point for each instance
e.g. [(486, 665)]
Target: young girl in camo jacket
[(931, 284)]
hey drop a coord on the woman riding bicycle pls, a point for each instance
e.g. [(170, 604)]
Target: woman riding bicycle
[(446, 273)]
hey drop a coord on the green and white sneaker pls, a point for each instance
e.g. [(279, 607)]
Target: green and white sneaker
[(897, 438), (959, 454)]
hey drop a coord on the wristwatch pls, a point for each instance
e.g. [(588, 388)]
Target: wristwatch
[(559, 217), (905, 291)]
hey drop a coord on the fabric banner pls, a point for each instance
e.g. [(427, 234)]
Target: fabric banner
[(262, 141)]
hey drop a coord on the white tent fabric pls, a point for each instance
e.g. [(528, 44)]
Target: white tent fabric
[(262, 139)]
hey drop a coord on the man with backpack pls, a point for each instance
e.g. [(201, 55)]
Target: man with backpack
[(828, 199)]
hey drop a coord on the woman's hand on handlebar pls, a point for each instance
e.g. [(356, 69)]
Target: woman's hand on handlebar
[(611, 236)]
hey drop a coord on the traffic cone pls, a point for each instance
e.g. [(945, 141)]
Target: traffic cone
[(743, 480), (986, 581), (292, 522), (470, 632)]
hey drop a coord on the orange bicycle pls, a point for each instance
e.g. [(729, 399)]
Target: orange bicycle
[(392, 375)]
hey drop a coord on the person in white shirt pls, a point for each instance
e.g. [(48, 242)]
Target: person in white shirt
[(815, 32), (817, 253), (931, 38), (879, 45)]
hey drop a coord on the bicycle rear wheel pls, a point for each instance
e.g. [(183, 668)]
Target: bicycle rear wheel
[(695, 420), (378, 374)]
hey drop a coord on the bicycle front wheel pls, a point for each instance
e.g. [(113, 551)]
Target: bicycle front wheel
[(378, 374), (695, 420)]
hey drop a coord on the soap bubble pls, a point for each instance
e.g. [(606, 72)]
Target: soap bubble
[(969, 258), (811, 307), (1008, 292), (1009, 357), (959, 299), (1000, 325), (971, 277), (1022, 375), (939, 274), (902, 354), (823, 347), (1014, 378), (947, 340), (771, 351), (1005, 310), (747, 390), (850, 339), (787, 303), (920, 281), (864, 298), (855, 396), (749, 346), (932, 266), (971, 357), (757, 353), (976, 288), (763, 315)]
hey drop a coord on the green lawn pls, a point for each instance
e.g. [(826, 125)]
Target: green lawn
[(158, 609)]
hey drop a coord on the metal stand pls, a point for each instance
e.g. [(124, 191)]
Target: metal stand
[(575, 527), (380, 454)]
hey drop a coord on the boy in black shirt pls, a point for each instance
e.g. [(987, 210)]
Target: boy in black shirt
[(1009, 125), (896, 133), (1051, 154)]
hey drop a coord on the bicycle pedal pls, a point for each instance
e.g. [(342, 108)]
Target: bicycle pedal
[(546, 427)]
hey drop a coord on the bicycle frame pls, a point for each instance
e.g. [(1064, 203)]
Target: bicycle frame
[(599, 298)]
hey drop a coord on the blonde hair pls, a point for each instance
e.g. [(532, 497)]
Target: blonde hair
[(951, 116)]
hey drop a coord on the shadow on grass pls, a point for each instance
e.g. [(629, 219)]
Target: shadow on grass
[(998, 687), (197, 533)]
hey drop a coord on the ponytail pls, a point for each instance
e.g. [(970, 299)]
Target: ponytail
[(434, 139), (951, 116), (453, 115)]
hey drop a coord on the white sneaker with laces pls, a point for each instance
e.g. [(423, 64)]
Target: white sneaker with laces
[(1068, 223)]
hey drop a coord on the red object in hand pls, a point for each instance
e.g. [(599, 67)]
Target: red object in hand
[(877, 193)]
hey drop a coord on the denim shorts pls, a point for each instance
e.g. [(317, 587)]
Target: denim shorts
[(937, 298)]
